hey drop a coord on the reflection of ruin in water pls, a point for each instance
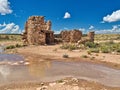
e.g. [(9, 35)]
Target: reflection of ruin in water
[(39, 69), (51, 71)]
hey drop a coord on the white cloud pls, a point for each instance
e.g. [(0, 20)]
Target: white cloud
[(10, 28), (4, 7), (83, 30), (67, 15), (115, 16), (114, 29), (91, 27), (66, 28)]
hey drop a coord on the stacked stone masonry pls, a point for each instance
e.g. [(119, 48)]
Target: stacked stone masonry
[(37, 31), (75, 36)]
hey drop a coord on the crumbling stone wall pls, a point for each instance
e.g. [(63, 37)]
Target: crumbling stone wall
[(71, 36), (38, 31), (91, 36), (75, 36)]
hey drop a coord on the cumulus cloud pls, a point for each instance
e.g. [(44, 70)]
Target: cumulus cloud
[(115, 16), (91, 27), (10, 28), (67, 15), (4, 7), (114, 29)]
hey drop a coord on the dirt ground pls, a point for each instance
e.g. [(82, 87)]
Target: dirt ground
[(64, 84), (53, 52)]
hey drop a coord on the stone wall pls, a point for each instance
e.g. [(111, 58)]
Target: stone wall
[(75, 36), (91, 36), (71, 36), (36, 30)]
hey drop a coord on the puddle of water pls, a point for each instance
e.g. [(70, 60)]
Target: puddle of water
[(10, 58), (2, 48), (50, 71)]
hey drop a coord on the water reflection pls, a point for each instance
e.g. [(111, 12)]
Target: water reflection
[(4, 71), (10, 57), (38, 69), (51, 71), (2, 48)]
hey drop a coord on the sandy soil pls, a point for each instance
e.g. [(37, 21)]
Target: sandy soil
[(64, 84), (53, 52)]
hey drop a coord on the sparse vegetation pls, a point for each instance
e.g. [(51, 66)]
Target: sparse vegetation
[(14, 46), (89, 52), (65, 56), (103, 37), (94, 50), (69, 46), (10, 37), (104, 47), (91, 44), (92, 58), (84, 56), (10, 47)]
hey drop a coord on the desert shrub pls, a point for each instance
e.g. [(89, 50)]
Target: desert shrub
[(18, 45), (91, 44), (89, 52), (118, 50), (72, 47), (60, 81), (65, 56), (64, 46), (96, 54), (108, 47), (10, 47), (105, 49), (69, 46), (94, 50), (92, 58), (84, 56)]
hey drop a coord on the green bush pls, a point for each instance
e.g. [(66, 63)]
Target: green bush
[(10, 47), (69, 46), (89, 52), (94, 50), (64, 46), (72, 47), (118, 50), (18, 45), (105, 49), (91, 44)]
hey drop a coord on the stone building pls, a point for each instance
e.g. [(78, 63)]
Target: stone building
[(38, 31), (71, 36), (91, 35)]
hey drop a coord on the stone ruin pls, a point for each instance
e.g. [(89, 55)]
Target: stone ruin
[(90, 38), (71, 36), (37, 31), (75, 36)]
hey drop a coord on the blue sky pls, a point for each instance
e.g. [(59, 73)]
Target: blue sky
[(103, 16)]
